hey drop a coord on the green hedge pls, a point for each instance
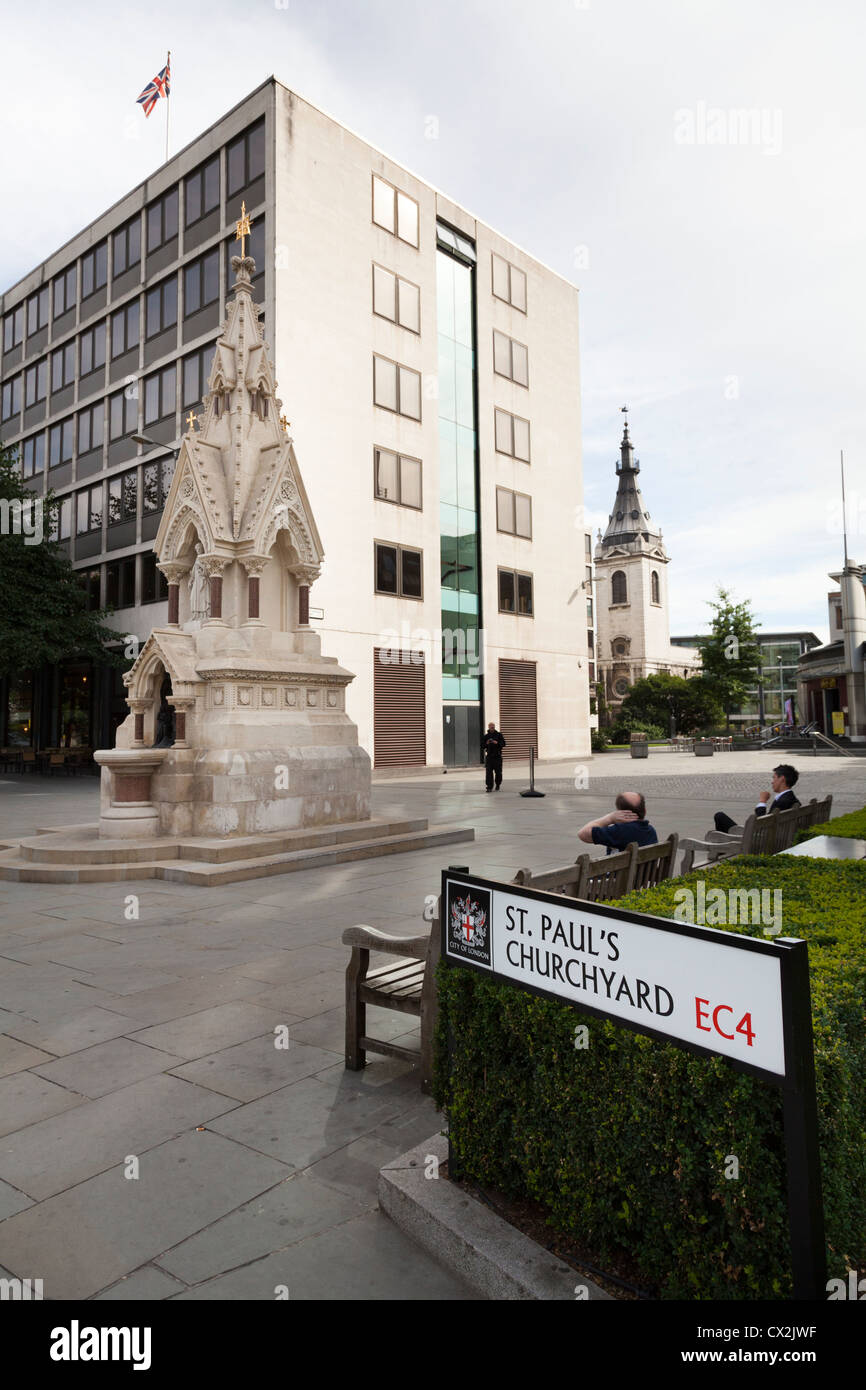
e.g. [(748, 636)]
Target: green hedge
[(852, 826), (625, 1143)]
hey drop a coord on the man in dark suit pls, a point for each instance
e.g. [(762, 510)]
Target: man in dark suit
[(781, 798), (492, 745)]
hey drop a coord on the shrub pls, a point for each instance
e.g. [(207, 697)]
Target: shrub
[(624, 728), (598, 740), (853, 826), (625, 1143)]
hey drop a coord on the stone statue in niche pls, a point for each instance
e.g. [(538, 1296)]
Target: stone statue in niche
[(199, 587), (165, 719)]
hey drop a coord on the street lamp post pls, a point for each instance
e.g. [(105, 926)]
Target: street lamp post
[(781, 691), (761, 714)]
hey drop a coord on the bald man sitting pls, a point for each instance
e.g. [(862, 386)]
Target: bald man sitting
[(621, 827)]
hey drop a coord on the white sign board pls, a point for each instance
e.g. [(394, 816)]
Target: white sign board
[(712, 989)]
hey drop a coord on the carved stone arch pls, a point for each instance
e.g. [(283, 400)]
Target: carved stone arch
[(148, 674), (189, 515), (288, 520)]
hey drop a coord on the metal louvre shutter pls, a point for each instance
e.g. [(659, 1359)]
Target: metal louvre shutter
[(399, 720), (518, 710)]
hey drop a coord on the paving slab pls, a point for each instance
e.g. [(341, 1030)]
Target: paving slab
[(84, 1240), (147, 1284), (109, 1066), (18, 1056), (255, 1068), (11, 1202), (54, 1154), (178, 1000), (211, 1030), (25, 1099), (297, 1208), (70, 1032), (365, 1258)]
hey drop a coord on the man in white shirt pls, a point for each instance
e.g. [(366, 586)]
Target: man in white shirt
[(782, 798)]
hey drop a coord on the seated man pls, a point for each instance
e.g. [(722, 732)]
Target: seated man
[(619, 828), (784, 778)]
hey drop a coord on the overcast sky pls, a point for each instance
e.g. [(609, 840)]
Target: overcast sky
[(696, 168)]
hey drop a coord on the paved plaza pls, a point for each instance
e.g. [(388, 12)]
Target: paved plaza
[(155, 1143)]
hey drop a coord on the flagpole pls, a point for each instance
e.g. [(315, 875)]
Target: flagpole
[(167, 101)]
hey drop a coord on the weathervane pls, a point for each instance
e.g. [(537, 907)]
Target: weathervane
[(242, 227)]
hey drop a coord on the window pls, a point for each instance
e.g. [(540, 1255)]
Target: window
[(201, 283), (162, 220), (36, 382), (509, 283), (589, 610), (89, 509), (120, 583), (123, 497), (395, 211), (396, 388), (154, 585), (513, 513), (60, 442), (620, 649), (63, 367), (202, 191), (37, 310), (196, 370), (65, 287), (160, 394), (89, 581), (245, 158), (162, 307), (126, 247), (156, 481), (587, 546), (655, 588), (33, 456), (590, 642), (512, 435), (12, 397), (618, 587), (589, 576), (621, 686), (510, 359), (397, 478), (398, 571), (396, 299), (123, 415), (60, 520), (91, 428), (13, 328), (515, 593), (124, 329), (92, 349), (94, 269)]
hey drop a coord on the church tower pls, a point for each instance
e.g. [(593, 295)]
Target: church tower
[(633, 618)]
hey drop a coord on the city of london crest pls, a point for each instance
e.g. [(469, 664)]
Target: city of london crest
[(468, 922)]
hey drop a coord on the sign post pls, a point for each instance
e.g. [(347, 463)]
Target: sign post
[(708, 991)]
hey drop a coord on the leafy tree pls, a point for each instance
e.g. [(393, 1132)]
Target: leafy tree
[(731, 653), (653, 699), (43, 616)]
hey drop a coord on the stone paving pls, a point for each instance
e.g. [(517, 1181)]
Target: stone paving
[(145, 1044)]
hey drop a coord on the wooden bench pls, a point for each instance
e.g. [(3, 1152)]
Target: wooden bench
[(408, 986), (604, 880), (767, 834)]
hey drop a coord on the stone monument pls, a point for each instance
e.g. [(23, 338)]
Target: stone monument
[(260, 740)]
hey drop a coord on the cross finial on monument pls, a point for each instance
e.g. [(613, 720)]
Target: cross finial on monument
[(190, 420), (284, 422), (242, 227)]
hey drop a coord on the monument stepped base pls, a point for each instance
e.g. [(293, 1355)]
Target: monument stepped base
[(75, 854)]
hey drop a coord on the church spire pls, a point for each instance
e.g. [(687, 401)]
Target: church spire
[(629, 523)]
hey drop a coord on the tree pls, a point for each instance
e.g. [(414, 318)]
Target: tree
[(654, 699), (44, 616), (731, 654)]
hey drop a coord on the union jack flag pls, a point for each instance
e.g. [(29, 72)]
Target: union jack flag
[(159, 87)]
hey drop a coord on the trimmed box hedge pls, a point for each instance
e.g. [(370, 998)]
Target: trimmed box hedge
[(625, 1144), (852, 826)]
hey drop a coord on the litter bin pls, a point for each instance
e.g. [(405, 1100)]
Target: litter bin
[(639, 745), (703, 748)]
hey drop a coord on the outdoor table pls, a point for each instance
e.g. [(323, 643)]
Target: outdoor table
[(830, 847)]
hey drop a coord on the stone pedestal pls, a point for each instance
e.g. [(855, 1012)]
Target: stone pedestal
[(126, 809)]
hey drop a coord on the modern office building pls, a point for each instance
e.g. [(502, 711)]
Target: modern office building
[(429, 370), (772, 693)]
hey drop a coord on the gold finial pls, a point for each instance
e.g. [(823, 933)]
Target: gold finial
[(284, 422), (190, 420), (242, 227)]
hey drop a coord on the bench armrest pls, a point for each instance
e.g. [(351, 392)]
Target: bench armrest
[(371, 939)]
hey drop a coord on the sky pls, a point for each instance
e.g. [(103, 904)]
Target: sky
[(696, 168)]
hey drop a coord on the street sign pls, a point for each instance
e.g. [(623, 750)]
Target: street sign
[(713, 992)]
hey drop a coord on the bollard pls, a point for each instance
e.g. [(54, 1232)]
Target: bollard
[(532, 791)]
